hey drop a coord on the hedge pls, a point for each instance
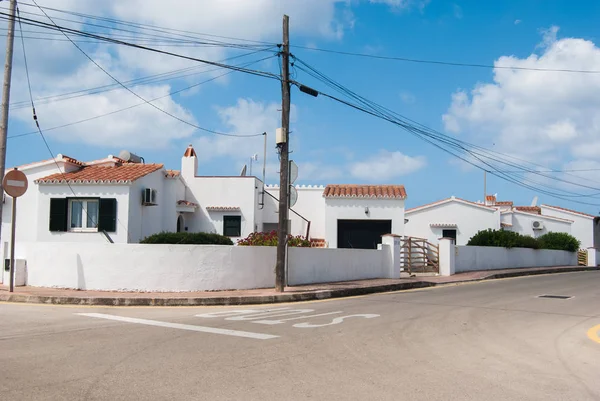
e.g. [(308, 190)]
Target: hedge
[(270, 239), (187, 239), (510, 239), (561, 241)]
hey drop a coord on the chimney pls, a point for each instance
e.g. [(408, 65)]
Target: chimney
[(189, 163)]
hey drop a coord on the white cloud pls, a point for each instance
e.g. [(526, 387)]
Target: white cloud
[(385, 166), (549, 118), (458, 12), (246, 117), (518, 21), (403, 4), (407, 97)]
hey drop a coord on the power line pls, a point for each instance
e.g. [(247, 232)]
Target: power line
[(448, 63), (150, 27), (37, 124), (133, 45), (131, 91), (152, 79), (152, 100), (435, 138)]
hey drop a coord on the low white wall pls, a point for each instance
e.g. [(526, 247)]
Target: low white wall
[(139, 267), (322, 265), (471, 258)]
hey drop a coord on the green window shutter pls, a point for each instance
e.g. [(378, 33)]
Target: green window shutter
[(107, 215), (232, 226), (58, 214)]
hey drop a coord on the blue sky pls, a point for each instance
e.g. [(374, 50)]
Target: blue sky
[(547, 118)]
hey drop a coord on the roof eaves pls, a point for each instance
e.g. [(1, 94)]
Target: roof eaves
[(562, 209)]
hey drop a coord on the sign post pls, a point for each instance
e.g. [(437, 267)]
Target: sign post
[(15, 185)]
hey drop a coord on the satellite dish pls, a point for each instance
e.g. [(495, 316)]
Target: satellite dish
[(243, 172), (534, 201)]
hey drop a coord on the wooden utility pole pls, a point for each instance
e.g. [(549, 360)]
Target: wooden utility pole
[(10, 39), (284, 190)]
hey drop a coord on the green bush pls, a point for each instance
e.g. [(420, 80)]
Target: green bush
[(187, 239), (560, 241), (270, 239), (509, 239), (504, 239)]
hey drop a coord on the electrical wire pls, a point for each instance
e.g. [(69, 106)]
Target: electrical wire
[(37, 124), (64, 30), (152, 100), (439, 140), (447, 63), (134, 93)]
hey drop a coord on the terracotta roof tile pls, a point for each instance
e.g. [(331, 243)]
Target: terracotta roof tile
[(365, 191), (121, 173), (186, 203), (223, 208), (172, 173), (529, 209), (190, 152), (490, 198), (504, 203), (569, 210)]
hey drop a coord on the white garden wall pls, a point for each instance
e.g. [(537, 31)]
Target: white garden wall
[(322, 265), (145, 267), (139, 267), (471, 258)]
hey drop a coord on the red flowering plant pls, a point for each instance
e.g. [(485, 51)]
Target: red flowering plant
[(270, 239)]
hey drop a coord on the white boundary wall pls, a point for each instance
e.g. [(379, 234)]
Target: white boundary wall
[(323, 265), (180, 268), (139, 267), (472, 258)]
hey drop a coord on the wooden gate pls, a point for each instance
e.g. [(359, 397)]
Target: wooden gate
[(582, 257), (417, 255)]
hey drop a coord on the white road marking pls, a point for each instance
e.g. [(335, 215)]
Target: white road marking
[(203, 329), (279, 321), (336, 320), (237, 312), (270, 314)]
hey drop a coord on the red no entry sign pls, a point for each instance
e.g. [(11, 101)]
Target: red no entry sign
[(15, 183)]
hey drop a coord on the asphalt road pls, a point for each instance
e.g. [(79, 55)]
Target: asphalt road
[(494, 340)]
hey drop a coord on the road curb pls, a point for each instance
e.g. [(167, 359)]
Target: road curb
[(264, 299)]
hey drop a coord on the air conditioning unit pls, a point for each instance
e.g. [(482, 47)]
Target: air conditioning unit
[(149, 197), (537, 225)]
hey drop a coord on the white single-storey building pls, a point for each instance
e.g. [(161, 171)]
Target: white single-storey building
[(461, 219), (125, 201)]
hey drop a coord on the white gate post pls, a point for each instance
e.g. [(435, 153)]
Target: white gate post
[(447, 256), (393, 243), (591, 257)]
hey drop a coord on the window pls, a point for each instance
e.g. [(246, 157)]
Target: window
[(449, 234), (83, 215), (232, 226), (92, 214)]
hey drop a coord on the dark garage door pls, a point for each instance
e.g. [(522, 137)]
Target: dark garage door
[(362, 234)]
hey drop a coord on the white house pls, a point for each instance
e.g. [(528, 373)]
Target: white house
[(460, 219), (124, 201), (585, 227), (452, 218)]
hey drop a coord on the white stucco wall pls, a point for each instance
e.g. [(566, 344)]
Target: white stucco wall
[(310, 205), (317, 265), (469, 220), (354, 209), (147, 220), (474, 258), (522, 224), (47, 191), (583, 227), (242, 192), (138, 267)]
